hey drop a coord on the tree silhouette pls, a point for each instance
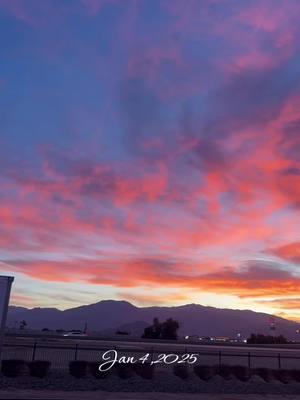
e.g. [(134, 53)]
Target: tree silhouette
[(23, 324), (165, 330), (156, 328), (169, 329), (266, 339)]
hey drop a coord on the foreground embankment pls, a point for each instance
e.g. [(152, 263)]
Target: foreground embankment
[(162, 381)]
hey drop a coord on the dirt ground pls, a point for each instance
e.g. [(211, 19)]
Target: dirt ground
[(96, 395)]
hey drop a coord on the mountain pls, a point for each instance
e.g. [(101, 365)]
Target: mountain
[(109, 316), (135, 329)]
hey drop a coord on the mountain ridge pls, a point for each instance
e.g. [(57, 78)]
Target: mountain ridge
[(109, 315)]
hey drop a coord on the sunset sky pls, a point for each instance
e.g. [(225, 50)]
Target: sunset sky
[(150, 152)]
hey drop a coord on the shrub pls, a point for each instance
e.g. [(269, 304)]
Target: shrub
[(204, 372), (282, 375), (124, 371), (266, 339), (14, 368), (240, 372), (39, 369), (145, 370), (78, 369), (181, 370), (295, 374), (223, 370), (265, 373), (94, 370)]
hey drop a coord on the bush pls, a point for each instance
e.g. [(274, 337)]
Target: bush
[(78, 369), (14, 368), (181, 370), (282, 375), (94, 370), (295, 374), (124, 371), (146, 370), (204, 372), (39, 369), (265, 373), (240, 372), (223, 370)]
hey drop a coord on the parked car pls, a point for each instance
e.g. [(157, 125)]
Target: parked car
[(74, 334), (192, 338)]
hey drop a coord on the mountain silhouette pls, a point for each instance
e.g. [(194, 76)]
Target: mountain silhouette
[(109, 315)]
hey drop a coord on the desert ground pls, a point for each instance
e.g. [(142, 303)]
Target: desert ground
[(35, 395)]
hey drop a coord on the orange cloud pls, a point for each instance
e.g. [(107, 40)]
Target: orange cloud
[(289, 252), (148, 299), (284, 303), (251, 281)]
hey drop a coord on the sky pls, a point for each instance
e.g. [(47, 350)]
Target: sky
[(150, 152)]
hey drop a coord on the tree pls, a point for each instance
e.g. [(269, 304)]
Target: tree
[(165, 330), (169, 329), (23, 324), (148, 332), (156, 328), (266, 339)]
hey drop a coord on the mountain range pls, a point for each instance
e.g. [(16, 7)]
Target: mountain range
[(108, 316)]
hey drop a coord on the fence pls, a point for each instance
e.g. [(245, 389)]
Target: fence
[(61, 355)]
